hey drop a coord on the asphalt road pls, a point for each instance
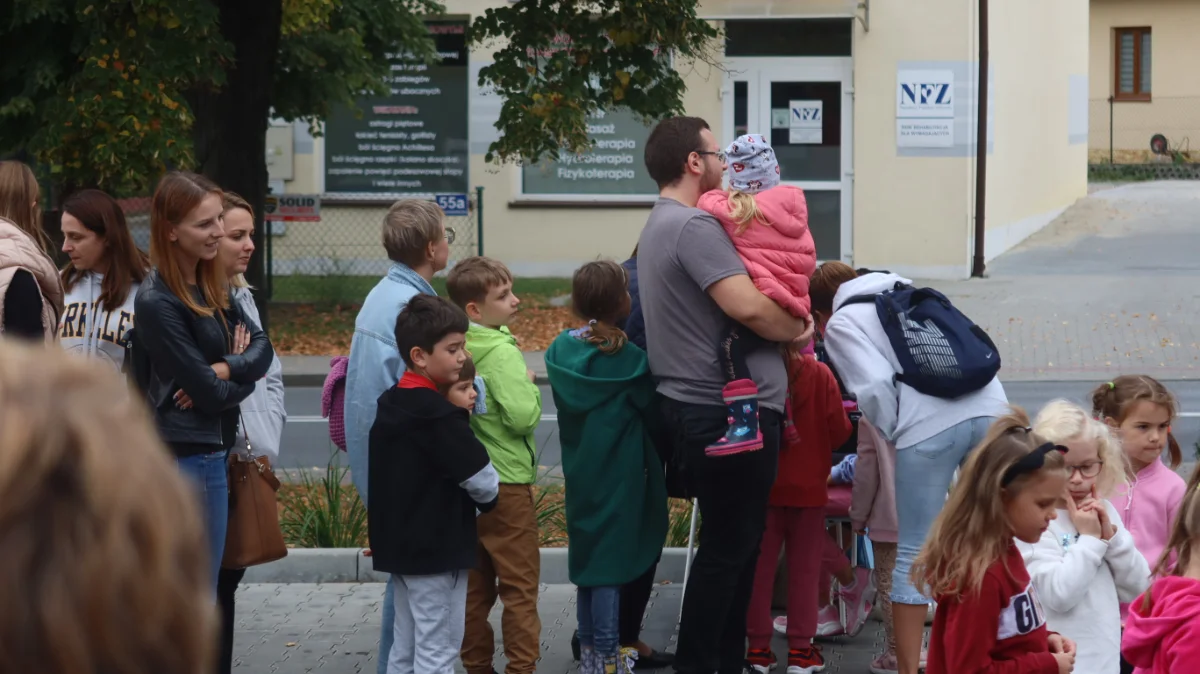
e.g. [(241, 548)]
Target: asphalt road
[(306, 439)]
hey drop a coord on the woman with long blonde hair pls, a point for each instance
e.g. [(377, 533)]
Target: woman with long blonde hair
[(204, 356), (988, 615), (31, 293), (263, 412), (103, 567)]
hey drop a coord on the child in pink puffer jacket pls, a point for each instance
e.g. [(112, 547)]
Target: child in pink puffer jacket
[(768, 224)]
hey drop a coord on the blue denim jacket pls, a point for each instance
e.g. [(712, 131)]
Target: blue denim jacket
[(375, 364)]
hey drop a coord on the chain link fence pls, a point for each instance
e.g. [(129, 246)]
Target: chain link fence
[(340, 258), (1164, 130), (336, 260)]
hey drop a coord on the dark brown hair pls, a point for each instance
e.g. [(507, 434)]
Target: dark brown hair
[(600, 295), (473, 278), (825, 283), (466, 374), (425, 321), (1116, 399), (127, 264), (105, 568), (177, 195), (670, 144)]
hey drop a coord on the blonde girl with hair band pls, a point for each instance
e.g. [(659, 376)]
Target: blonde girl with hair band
[(989, 618), (1086, 564)]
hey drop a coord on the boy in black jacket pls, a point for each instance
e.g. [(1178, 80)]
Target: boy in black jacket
[(429, 476)]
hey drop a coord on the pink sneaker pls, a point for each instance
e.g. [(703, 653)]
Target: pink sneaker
[(829, 623), (885, 664), (858, 598), (781, 625)]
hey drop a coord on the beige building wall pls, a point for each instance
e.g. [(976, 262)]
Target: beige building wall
[(1174, 108), (1039, 164), (912, 214)]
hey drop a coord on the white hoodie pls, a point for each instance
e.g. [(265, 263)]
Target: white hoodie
[(1081, 581), (863, 357), (93, 331)]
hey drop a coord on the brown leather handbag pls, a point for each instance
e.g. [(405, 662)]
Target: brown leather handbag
[(254, 536)]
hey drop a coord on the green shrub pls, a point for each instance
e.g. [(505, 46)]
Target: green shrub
[(323, 512)]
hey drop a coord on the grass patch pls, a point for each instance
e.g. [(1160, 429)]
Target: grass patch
[(352, 290)]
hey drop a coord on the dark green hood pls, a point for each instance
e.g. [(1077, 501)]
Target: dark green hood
[(586, 378)]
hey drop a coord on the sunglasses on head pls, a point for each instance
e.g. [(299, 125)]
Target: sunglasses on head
[(1030, 463)]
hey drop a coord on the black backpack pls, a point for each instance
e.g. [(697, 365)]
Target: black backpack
[(941, 352)]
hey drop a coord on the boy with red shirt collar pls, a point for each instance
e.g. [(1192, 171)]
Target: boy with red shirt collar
[(429, 476)]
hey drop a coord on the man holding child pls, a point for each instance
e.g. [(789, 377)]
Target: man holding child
[(692, 285)]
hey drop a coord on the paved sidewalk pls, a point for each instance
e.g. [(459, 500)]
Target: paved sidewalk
[(334, 628)]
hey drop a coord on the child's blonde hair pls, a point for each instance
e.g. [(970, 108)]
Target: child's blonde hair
[(1116, 399), (972, 531), (1185, 537), (744, 210), (1061, 421)]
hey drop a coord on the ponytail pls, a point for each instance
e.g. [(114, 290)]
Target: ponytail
[(1174, 450), (608, 338)]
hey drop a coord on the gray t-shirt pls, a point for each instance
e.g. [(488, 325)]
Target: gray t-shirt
[(682, 252)]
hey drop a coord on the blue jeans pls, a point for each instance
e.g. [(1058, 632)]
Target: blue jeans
[(923, 475), (598, 613), (207, 472)]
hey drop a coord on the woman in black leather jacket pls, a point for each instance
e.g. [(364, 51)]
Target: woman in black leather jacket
[(204, 355)]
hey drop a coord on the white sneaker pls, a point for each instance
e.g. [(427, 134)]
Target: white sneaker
[(829, 623), (781, 625)]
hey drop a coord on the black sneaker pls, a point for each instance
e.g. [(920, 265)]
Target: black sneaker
[(575, 645)]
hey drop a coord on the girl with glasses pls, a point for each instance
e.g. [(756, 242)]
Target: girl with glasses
[(1086, 564)]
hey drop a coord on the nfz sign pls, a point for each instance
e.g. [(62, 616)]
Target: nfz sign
[(925, 93), (806, 114)]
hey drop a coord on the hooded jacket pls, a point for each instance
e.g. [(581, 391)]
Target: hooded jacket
[(873, 503), (780, 255), (1166, 638), (429, 476), (18, 252), (616, 494), (822, 425), (94, 331), (863, 357), (513, 403)]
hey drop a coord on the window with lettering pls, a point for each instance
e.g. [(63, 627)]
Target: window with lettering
[(615, 165)]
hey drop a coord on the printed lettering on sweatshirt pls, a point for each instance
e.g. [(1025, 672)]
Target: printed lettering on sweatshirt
[(1023, 615), (75, 317)]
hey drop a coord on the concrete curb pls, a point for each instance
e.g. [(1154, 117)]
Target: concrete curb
[(348, 565)]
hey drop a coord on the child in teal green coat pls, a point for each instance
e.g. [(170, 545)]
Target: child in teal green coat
[(616, 496)]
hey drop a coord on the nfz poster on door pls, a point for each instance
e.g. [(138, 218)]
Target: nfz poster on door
[(805, 121)]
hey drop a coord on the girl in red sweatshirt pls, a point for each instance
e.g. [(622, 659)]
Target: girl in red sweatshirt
[(796, 521), (989, 619)]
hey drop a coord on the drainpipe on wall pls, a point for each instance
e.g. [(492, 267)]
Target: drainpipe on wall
[(977, 265)]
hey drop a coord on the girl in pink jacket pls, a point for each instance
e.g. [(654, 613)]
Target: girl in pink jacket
[(1162, 632), (768, 224)]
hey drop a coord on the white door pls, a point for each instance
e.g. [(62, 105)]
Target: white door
[(805, 107)]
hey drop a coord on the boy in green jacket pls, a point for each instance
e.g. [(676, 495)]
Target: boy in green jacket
[(508, 535)]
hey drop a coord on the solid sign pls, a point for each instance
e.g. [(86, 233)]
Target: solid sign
[(805, 122), (292, 208), (414, 140), (452, 204)]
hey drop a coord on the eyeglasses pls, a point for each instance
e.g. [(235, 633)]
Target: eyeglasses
[(1089, 469), (719, 155), (450, 236)]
